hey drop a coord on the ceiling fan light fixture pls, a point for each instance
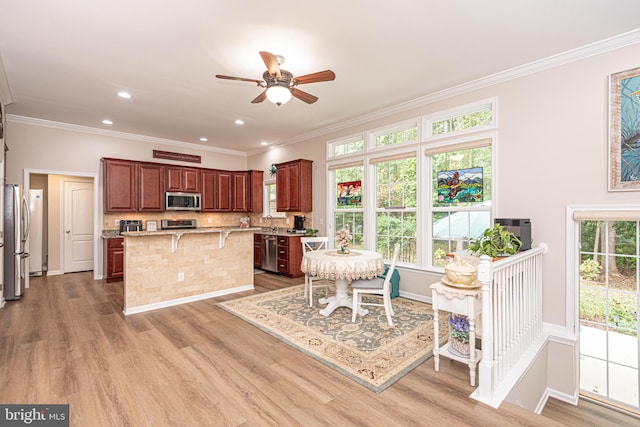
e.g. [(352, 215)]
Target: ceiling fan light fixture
[(279, 94)]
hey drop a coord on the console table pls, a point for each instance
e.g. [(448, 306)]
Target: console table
[(462, 301)]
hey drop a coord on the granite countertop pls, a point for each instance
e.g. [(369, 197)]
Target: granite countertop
[(199, 230), (277, 232)]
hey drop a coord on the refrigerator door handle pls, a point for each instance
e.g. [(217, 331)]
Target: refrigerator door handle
[(27, 225)]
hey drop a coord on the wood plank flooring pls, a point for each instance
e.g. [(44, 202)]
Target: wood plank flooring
[(67, 341)]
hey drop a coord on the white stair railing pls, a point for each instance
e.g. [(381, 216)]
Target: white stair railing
[(511, 319)]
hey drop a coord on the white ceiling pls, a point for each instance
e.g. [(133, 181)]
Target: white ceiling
[(66, 59)]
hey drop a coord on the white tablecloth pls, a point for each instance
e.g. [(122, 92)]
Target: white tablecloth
[(328, 264)]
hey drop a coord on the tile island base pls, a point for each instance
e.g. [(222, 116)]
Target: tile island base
[(167, 268)]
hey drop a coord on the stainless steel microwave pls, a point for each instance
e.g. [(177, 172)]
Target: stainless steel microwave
[(182, 201)]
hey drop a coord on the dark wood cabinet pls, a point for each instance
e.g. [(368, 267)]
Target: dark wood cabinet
[(293, 186), (132, 186), (255, 195), (150, 187), (238, 191), (209, 191), (290, 256), (120, 185), (257, 250), (181, 179), (224, 185), (115, 260)]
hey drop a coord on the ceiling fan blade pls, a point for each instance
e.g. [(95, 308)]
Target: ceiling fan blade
[(320, 76), (271, 62), (242, 79), (260, 97), (303, 96)]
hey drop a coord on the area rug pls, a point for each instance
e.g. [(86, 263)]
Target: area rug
[(368, 351)]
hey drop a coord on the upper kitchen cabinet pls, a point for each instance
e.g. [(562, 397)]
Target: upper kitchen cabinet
[(182, 179), (236, 191), (247, 191), (120, 185), (150, 187), (293, 186)]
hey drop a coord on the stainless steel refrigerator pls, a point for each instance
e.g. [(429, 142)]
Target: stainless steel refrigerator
[(16, 233)]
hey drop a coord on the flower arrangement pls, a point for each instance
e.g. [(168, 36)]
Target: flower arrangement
[(343, 237), (459, 328)]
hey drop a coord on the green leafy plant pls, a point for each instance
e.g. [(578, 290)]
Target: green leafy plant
[(590, 269), (494, 242), (311, 232)]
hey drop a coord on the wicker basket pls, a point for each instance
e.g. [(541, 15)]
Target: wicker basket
[(459, 347)]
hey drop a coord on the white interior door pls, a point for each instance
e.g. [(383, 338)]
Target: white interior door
[(78, 226)]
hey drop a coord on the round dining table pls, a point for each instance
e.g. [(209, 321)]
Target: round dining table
[(343, 268)]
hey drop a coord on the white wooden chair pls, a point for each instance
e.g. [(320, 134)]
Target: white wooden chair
[(312, 244), (376, 286)]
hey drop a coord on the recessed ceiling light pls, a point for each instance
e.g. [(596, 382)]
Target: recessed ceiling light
[(264, 143), (107, 122), (239, 122), (203, 139), (123, 94)]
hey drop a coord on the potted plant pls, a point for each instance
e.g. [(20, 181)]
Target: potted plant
[(495, 242), (459, 334), (311, 232)]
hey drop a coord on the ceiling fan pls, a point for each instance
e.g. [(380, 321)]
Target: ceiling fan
[(280, 85)]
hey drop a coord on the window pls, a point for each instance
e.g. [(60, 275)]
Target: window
[(472, 117), (270, 200), (404, 203), (404, 133), (609, 299), (396, 206), (345, 147), (348, 201), (457, 218)]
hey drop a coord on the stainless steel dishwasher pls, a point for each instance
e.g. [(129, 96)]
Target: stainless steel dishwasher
[(269, 253)]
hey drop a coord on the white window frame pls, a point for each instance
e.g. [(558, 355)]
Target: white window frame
[(333, 144), (396, 127), (265, 200), (475, 107), (423, 173), (427, 215)]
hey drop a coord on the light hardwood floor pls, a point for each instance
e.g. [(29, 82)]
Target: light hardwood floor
[(67, 341)]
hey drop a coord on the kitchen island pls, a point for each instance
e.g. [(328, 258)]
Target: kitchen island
[(169, 267)]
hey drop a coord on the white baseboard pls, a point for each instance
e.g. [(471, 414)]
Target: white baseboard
[(54, 273), (185, 300), (415, 297)]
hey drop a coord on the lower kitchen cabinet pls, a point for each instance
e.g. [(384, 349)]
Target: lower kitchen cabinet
[(257, 250), (290, 256), (115, 260)]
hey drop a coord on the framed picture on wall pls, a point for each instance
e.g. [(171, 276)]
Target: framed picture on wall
[(624, 130)]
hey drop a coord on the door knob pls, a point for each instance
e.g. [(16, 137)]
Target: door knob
[(68, 231)]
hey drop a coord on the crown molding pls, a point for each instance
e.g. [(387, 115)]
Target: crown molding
[(593, 49), (116, 134)]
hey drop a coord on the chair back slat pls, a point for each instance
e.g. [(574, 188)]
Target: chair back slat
[(314, 243)]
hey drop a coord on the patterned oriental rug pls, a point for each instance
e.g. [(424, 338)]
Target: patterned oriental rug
[(368, 351)]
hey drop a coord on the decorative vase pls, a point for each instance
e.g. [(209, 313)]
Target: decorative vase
[(463, 349), (344, 249)]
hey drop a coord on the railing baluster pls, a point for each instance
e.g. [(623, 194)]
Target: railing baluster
[(511, 315)]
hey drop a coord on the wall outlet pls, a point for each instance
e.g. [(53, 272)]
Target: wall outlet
[(180, 277), (287, 220), (117, 222), (209, 220)]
